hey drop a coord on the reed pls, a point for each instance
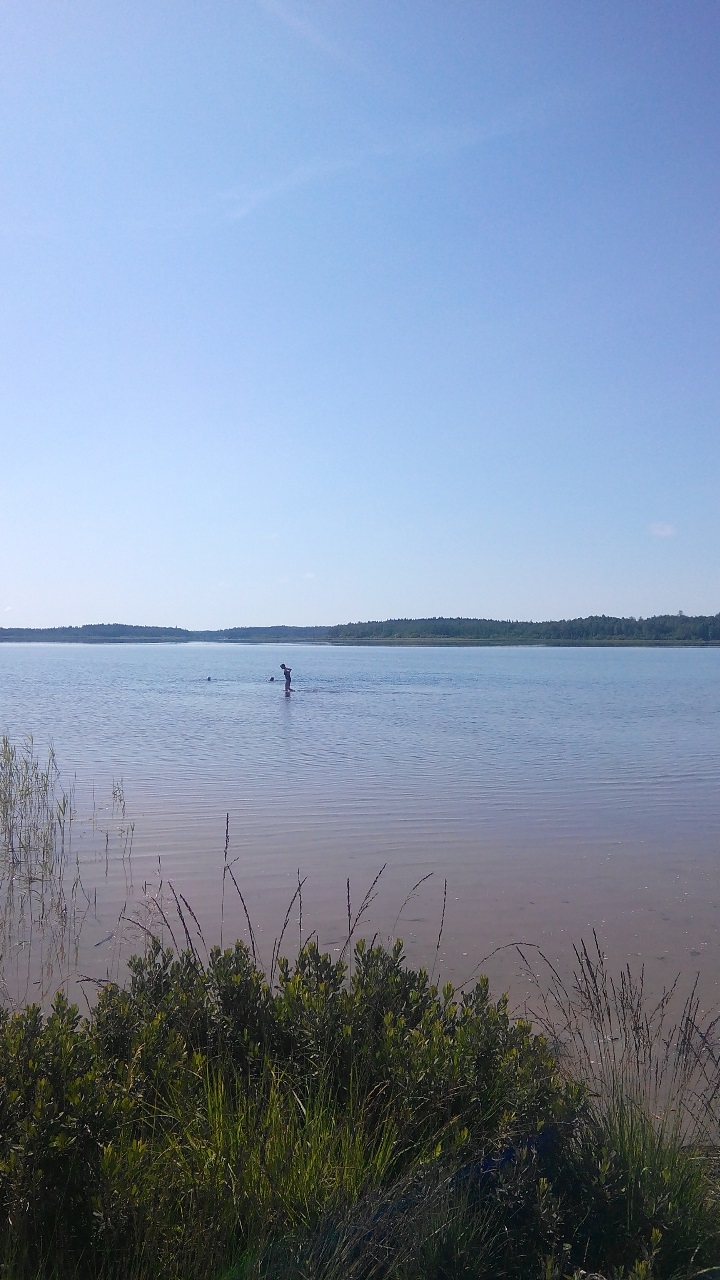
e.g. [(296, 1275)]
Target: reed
[(339, 1118), (42, 905), (643, 1167), (348, 1121)]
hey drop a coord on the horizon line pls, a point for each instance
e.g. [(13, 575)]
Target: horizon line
[(317, 626)]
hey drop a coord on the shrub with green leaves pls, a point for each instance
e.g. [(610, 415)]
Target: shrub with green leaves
[(347, 1121), (199, 1094)]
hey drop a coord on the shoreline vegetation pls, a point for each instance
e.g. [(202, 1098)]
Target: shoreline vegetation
[(346, 1119), (662, 630), (336, 1117)]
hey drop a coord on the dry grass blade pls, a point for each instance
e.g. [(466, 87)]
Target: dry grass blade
[(364, 906), (197, 923), (279, 941), (224, 875), (409, 897), (181, 916), (247, 913), (440, 932)]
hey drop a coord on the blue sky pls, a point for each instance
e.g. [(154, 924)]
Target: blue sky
[(324, 311)]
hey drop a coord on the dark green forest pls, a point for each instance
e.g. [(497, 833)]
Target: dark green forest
[(673, 629), (665, 629), (121, 633)]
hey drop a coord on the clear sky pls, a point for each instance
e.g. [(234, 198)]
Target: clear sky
[(332, 310)]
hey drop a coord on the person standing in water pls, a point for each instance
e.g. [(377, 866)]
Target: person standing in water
[(286, 672)]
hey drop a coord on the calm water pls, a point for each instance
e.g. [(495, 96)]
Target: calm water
[(556, 790)]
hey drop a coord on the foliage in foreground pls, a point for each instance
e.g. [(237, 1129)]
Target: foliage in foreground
[(358, 1124)]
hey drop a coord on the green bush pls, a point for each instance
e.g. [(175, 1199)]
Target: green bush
[(346, 1123)]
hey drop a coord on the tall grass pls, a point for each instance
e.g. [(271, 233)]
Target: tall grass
[(40, 919), (202, 1122), (240, 1168), (200, 1114), (338, 1118), (656, 1051), (644, 1164)]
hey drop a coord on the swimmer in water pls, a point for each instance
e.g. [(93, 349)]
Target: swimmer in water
[(286, 672)]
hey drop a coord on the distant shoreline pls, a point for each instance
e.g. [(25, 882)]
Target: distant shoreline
[(598, 631), (428, 642)]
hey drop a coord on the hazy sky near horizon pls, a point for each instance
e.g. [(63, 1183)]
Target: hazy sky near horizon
[(346, 309)]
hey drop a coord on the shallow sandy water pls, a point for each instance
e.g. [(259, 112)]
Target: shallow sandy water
[(557, 792)]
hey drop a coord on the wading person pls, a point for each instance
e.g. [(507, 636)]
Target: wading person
[(286, 672)]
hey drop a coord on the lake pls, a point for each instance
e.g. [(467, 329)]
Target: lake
[(556, 791)]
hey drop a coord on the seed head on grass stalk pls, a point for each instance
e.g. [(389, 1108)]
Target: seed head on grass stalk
[(365, 905), (279, 941)]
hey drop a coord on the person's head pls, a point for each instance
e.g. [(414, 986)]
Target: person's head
[(282, 666)]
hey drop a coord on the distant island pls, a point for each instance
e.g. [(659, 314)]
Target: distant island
[(665, 629)]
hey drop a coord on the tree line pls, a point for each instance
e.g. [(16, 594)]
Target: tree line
[(673, 629), (599, 629)]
